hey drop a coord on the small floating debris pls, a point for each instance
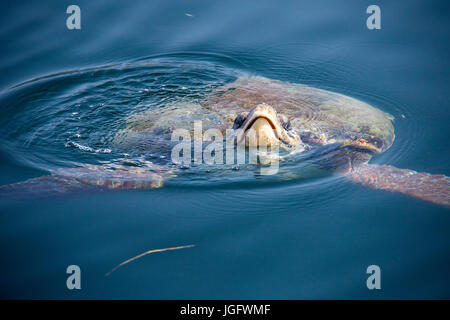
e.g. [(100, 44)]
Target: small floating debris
[(189, 15), (403, 116)]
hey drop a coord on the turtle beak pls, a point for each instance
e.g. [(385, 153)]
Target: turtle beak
[(262, 127)]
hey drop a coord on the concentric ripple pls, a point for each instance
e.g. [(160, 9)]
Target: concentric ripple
[(79, 116), (72, 116)]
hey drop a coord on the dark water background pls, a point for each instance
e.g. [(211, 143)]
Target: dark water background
[(291, 240)]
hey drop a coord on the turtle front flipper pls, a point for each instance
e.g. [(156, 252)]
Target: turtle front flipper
[(88, 178), (43, 187), (424, 186)]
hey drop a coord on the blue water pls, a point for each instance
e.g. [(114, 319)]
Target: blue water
[(291, 239)]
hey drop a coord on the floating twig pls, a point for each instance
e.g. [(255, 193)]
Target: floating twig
[(145, 253)]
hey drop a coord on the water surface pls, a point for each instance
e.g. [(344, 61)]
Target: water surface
[(296, 239)]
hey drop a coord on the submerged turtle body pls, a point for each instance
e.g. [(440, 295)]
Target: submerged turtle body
[(297, 117)]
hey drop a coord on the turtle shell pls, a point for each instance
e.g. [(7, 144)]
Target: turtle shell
[(319, 116)]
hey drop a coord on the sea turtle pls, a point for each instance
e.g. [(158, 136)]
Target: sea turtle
[(294, 117)]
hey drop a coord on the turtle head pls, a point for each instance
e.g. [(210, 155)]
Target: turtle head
[(263, 126)]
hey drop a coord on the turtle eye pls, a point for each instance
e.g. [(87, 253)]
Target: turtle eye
[(284, 121), (376, 142), (287, 125), (239, 120)]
